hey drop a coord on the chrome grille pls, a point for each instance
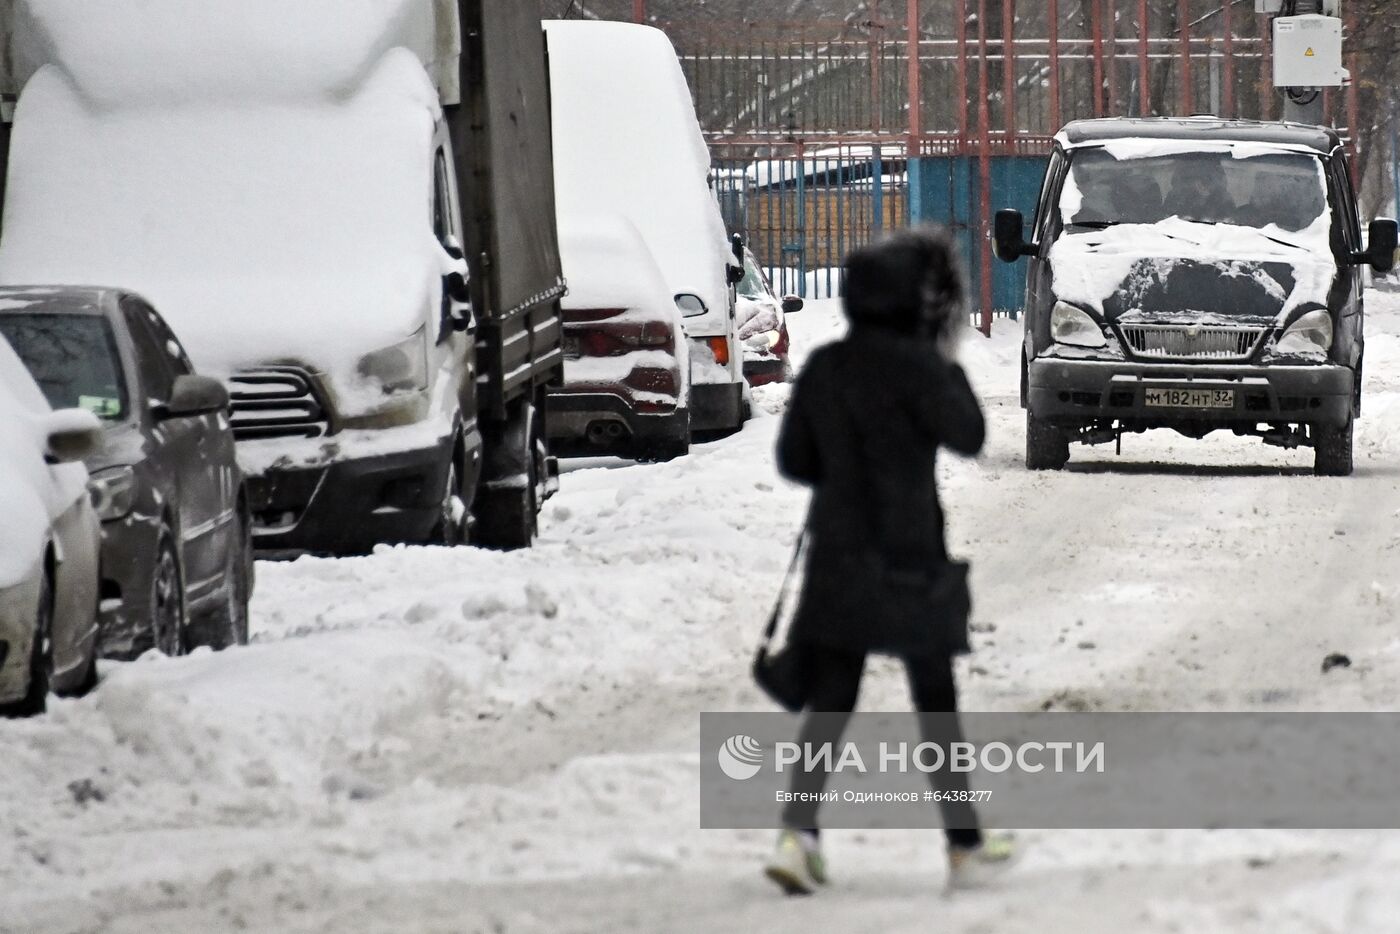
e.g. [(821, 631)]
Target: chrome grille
[(1191, 342), (276, 402)]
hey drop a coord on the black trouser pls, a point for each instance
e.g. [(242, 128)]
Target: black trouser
[(835, 679)]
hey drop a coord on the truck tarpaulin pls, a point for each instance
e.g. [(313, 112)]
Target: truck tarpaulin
[(506, 174)]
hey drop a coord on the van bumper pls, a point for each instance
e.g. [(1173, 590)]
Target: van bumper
[(1076, 392), (348, 506)]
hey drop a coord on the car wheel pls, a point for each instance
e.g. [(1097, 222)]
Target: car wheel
[(1332, 450), (1047, 448), (35, 700), (226, 624), (167, 600)]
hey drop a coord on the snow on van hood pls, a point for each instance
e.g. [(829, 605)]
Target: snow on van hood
[(1177, 267), (270, 233)]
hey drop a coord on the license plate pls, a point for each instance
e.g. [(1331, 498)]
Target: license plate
[(1191, 398), (571, 348)]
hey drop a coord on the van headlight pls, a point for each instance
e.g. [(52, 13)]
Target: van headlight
[(1071, 325), (1309, 336), (113, 493), (400, 368)]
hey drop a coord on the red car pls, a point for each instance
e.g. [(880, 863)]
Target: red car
[(627, 368), (763, 332)]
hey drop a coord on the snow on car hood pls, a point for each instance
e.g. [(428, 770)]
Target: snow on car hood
[(1178, 267), (270, 233)]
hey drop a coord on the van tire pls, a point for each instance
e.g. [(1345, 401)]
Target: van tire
[(507, 517), (1047, 448), (1332, 450)]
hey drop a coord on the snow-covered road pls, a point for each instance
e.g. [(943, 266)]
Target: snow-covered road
[(454, 740)]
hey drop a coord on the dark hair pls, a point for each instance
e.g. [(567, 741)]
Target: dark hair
[(910, 282)]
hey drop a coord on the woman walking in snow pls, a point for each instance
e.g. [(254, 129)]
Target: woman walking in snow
[(863, 427)]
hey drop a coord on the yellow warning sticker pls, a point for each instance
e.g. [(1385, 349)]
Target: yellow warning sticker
[(1310, 53)]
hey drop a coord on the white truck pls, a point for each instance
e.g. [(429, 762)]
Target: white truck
[(346, 211)]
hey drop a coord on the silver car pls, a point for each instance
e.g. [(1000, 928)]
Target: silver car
[(49, 545)]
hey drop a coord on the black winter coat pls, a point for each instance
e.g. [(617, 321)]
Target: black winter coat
[(863, 428)]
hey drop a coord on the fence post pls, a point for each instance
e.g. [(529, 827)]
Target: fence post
[(1096, 24), (1184, 17), (916, 96), (1008, 66), (1056, 118), (962, 101), (639, 11), (1144, 62), (984, 132), (1229, 24)]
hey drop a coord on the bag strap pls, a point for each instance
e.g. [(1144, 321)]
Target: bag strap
[(772, 628)]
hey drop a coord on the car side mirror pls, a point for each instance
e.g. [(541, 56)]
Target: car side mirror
[(73, 434), (1381, 243), (1009, 236), (194, 395), (792, 304), (736, 244), (734, 274)]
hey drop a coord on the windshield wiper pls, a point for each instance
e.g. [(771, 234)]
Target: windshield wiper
[(1095, 225)]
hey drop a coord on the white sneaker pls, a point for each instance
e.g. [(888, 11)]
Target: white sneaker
[(980, 866), (797, 865)]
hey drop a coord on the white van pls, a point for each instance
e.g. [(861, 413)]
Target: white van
[(626, 141)]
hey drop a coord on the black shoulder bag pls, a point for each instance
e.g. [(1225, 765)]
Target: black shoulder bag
[(779, 674)]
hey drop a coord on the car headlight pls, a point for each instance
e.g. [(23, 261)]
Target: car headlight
[(1071, 325), (113, 492), (1309, 335), (400, 368)]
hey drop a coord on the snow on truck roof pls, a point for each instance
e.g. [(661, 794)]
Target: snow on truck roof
[(306, 223), (223, 48), (1197, 131)]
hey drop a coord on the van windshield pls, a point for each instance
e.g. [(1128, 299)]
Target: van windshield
[(1283, 190)]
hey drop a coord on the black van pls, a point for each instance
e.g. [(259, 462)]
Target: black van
[(1194, 274)]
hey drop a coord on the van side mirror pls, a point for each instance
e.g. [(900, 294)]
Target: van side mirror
[(736, 243), (1381, 243), (1009, 236), (72, 435), (792, 304), (194, 395)]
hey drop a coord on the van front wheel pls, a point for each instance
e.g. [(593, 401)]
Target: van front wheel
[(1047, 448), (1332, 450)]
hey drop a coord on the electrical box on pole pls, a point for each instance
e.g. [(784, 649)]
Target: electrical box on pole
[(1308, 52)]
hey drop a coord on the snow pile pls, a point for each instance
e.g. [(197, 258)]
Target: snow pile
[(626, 140), (262, 232)]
